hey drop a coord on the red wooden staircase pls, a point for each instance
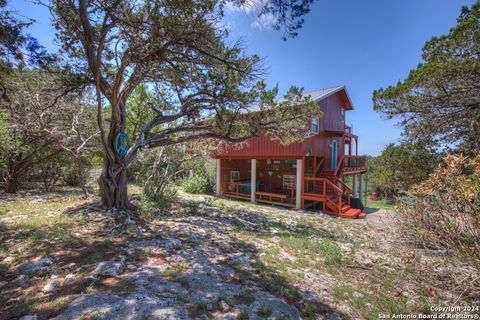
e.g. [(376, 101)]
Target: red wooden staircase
[(326, 187)]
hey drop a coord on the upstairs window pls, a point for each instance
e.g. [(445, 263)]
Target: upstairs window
[(343, 115), (315, 125)]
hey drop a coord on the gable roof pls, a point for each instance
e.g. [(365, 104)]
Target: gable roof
[(319, 95)]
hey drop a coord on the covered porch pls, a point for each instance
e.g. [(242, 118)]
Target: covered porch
[(271, 181)]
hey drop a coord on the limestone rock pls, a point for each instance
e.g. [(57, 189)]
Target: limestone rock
[(224, 306), (172, 244), (52, 285), (88, 280), (33, 267), (109, 269), (8, 260), (69, 279), (23, 281)]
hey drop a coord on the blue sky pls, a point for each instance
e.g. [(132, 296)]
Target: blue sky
[(364, 45)]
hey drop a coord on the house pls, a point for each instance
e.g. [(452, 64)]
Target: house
[(307, 174)]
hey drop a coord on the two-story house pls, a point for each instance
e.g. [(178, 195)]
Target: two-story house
[(307, 174)]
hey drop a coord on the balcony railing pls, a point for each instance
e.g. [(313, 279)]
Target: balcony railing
[(355, 163)]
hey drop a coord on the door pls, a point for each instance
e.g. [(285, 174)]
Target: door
[(334, 154)]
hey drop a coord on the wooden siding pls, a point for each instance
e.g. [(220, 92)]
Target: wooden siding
[(332, 114), (269, 174), (244, 166), (264, 147)]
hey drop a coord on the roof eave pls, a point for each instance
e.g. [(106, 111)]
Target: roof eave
[(332, 92)]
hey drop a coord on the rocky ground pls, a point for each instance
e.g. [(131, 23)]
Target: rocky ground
[(209, 258)]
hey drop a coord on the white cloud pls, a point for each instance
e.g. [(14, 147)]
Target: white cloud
[(251, 8), (265, 21)]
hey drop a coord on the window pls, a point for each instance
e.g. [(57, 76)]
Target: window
[(289, 181), (234, 176), (343, 115), (315, 123)]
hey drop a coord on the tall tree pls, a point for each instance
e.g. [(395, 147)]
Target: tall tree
[(399, 167), (439, 101), (178, 49), (16, 46), (44, 118)]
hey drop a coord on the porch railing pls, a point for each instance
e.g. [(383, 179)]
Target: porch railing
[(234, 188), (355, 163)]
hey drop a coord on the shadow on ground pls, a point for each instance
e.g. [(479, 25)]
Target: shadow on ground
[(182, 263)]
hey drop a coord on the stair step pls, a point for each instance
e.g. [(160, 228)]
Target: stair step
[(351, 213)]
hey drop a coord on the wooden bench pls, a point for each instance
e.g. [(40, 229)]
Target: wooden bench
[(272, 198)]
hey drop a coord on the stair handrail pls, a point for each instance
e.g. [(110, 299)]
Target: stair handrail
[(319, 164), (347, 187), (339, 164), (333, 186), (326, 180)]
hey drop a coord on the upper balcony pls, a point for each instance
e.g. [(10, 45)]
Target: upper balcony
[(353, 163)]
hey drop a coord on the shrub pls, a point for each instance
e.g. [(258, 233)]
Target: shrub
[(197, 184), (443, 212), (156, 195)]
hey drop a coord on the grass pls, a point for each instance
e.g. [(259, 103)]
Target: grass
[(288, 250), (265, 311), (370, 304), (378, 204), (309, 244), (183, 281), (46, 224), (245, 297)]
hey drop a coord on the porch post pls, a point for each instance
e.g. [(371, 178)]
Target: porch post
[(354, 187), (360, 187), (218, 182), (298, 195), (253, 180)]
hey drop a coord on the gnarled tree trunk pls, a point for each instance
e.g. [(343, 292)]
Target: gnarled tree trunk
[(113, 187), (113, 180)]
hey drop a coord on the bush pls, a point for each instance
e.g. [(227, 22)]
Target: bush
[(197, 184), (443, 212), (155, 198)]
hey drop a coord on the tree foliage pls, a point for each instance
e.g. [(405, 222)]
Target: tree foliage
[(204, 88), (16, 47), (401, 166), (439, 101), (43, 120)]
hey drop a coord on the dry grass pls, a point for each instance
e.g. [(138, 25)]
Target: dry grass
[(49, 224), (442, 214)]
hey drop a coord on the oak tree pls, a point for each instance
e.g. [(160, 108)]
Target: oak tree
[(44, 117), (439, 101), (179, 50)]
